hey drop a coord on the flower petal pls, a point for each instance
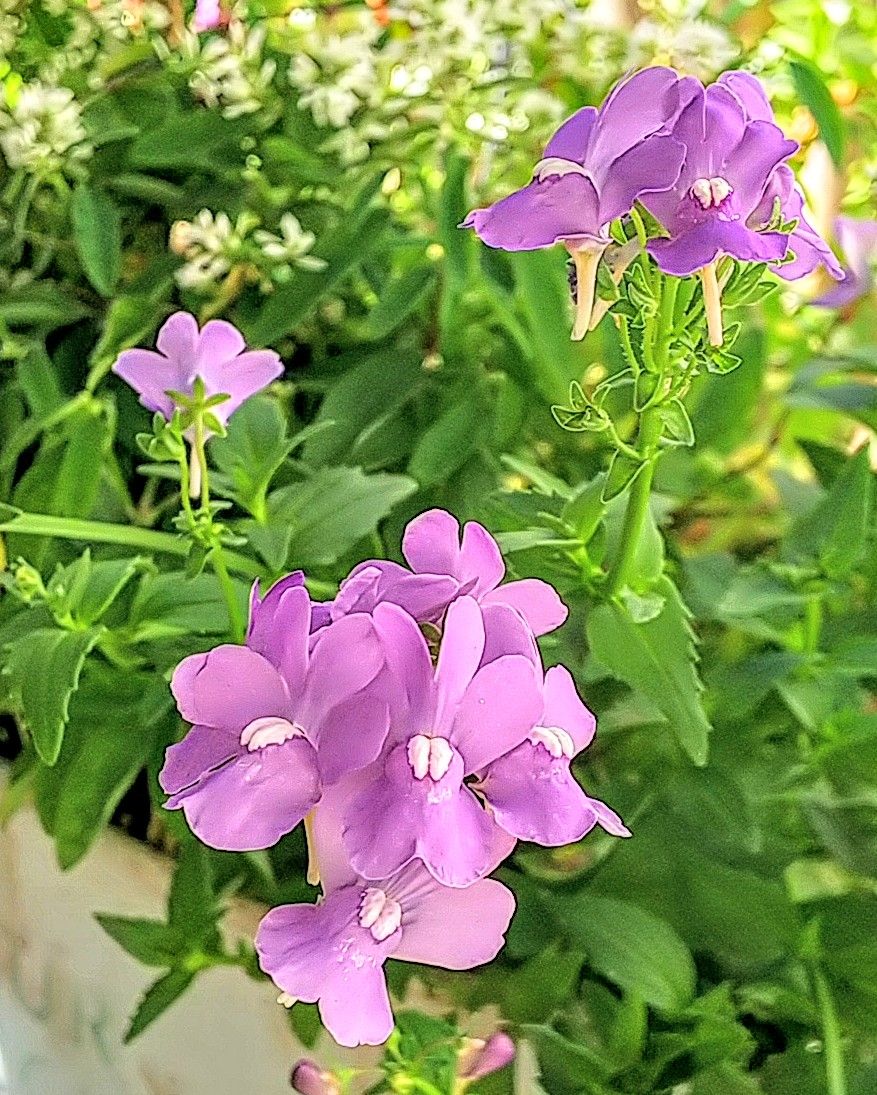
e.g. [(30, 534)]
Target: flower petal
[(352, 735), (507, 632), (203, 749), (240, 378), (650, 166), (481, 561), (748, 167), (151, 375), (703, 243), (431, 543), (178, 339), (750, 94), (229, 687), (279, 630), (500, 707), (218, 342), (537, 601), (460, 653), (456, 928), (643, 104), (255, 799), (570, 140), (564, 709), (408, 660), (346, 656), (541, 214)]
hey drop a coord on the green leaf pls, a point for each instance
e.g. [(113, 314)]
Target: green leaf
[(252, 451), (631, 947), (814, 94), (103, 584), (315, 522), (41, 304), (193, 908), (836, 531), (448, 443), (44, 667), (622, 472), (158, 998), (201, 140), (97, 232), (169, 605), (149, 941), (677, 425), (658, 658), (399, 299)]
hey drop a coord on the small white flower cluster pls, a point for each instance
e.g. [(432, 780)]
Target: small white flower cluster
[(11, 26), (212, 245), (124, 19), (43, 130), (230, 69), (693, 46), (343, 78)]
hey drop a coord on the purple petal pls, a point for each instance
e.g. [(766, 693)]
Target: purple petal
[(750, 94), (749, 166), (507, 632), (397, 817), (651, 166), (481, 562), (707, 240), (810, 249), (346, 656), (571, 140), (332, 859), (500, 707), (607, 819), (203, 749), (240, 378), (218, 342), (456, 928), (537, 601), (431, 543), (280, 627), (151, 375), (460, 653), (228, 688), (352, 735), (534, 797), (725, 122), (643, 104), (408, 657), (321, 953), (178, 339), (562, 207), (255, 799), (564, 709), (423, 596)]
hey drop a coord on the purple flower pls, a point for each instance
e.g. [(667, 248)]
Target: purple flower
[(273, 721), (729, 159), (480, 1058), (454, 721), (309, 1079), (531, 791), (333, 953), (444, 567), (858, 242), (208, 15), (217, 354), (593, 170)]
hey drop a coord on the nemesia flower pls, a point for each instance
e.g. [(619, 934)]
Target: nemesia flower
[(858, 242), (593, 170), (273, 721), (531, 791), (217, 354), (444, 567), (333, 953), (412, 802), (729, 159)]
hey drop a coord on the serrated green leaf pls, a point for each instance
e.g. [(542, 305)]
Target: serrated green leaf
[(157, 999), (255, 447), (149, 941), (659, 659), (44, 668), (97, 232), (632, 947)]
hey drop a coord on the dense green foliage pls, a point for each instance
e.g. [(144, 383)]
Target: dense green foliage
[(730, 947)]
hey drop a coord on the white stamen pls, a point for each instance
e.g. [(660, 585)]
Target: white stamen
[(286, 1000), (711, 192), (429, 756), (380, 913), (268, 731), (557, 167), (556, 740)]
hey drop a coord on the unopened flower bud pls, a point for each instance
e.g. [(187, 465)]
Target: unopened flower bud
[(180, 237), (309, 1079), (28, 581), (479, 1058)]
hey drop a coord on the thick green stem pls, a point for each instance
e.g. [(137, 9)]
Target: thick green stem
[(637, 503), (835, 1077)]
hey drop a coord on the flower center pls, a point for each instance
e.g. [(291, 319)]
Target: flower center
[(429, 756), (380, 913), (556, 741), (269, 730), (711, 192), (557, 166)]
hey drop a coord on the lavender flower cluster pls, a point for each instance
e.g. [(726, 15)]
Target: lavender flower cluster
[(410, 725)]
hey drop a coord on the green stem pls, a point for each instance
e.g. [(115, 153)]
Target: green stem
[(831, 1035), (637, 503), (201, 457), (666, 316), (812, 623), (235, 614)]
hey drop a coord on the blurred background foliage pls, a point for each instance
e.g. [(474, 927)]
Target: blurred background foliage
[(301, 170)]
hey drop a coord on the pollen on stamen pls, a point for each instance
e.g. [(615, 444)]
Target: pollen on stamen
[(380, 913), (711, 192), (429, 756), (269, 730)]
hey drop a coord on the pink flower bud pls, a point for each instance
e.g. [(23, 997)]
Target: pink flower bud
[(480, 1058), (309, 1079)]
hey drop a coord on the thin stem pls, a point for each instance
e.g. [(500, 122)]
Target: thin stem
[(637, 503), (627, 345), (812, 623), (235, 615), (666, 317), (834, 1062), (712, 298), (201, 458), (639, 227)]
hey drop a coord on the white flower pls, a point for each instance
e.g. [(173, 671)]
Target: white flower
[(694, 46), (231, 72), (43, 129), (210, 244), (291, 246)]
